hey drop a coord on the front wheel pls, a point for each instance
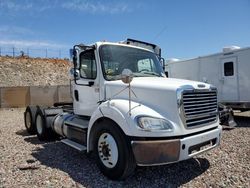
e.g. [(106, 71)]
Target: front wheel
[(113, 152)]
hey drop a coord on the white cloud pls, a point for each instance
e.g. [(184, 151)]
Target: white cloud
[(12, 31), (12, 36), (11, 7), (15, 5), (15, 36), (32, 44), (111, 7)]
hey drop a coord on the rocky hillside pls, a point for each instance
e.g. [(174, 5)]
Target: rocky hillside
[(25, 71)]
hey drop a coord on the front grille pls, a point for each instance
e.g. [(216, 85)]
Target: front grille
[(200, 107)]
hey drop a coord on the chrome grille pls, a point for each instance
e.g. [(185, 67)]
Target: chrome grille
[(199, 107)]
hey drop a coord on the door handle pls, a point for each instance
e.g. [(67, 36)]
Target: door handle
[(76, 95), (91, 83)]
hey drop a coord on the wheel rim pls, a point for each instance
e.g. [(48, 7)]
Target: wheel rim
[(108, 150), (28, 120), (39, 124)]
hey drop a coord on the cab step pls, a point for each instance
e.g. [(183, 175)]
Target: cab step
[(75, 145)]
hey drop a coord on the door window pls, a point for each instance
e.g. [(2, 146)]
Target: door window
[(228, 69), (88, 65)]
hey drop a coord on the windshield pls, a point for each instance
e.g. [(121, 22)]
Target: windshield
[(142, 63)]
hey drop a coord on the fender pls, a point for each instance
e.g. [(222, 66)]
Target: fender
[(118, 111), (111, 110)]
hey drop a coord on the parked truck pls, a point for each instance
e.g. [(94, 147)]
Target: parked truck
[(127, 113)]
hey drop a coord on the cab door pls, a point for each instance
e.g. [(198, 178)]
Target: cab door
[(229, 80), (86, 87)]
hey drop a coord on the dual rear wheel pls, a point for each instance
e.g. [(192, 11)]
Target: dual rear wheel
[(35, 123), (29, 119)]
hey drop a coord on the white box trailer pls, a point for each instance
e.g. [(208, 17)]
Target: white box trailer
[(229, 71)]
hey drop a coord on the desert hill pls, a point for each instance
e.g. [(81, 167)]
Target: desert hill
[(26, 71)]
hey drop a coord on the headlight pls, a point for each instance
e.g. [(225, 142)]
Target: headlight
[(154, 124)]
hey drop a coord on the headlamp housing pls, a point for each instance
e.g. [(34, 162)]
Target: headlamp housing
[(153, 124)]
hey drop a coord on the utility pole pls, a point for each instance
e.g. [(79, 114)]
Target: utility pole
[(59, 54), (13, 51)]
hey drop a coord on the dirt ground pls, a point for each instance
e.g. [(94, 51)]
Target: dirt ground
[(27, 162)]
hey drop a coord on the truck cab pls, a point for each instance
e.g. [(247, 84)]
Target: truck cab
[(147, 120), (102, 64)]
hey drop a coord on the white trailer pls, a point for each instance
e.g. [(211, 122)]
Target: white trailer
[(228, 71), (152, 120)]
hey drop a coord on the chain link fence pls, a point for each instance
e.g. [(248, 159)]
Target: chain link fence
[(32, 52)]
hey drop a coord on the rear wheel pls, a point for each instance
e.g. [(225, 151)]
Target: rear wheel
[(29, 119), (113, 152), (43, 132)]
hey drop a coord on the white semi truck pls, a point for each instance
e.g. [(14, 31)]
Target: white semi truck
[(127, 113)]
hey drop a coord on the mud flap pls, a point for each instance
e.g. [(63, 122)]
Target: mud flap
[(226, 116)]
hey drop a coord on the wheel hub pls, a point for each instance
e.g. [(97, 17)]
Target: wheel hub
[(107, 150)]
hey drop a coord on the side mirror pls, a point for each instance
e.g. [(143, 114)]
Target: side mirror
[(74, 73), (162, 61), (127, 76), (77, 74), (74, 57), (71, 54)]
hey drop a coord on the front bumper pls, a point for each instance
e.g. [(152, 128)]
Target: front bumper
[(159, 152)]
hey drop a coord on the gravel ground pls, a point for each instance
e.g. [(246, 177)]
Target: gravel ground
[(27, 162)]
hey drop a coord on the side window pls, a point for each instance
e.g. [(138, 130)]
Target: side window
[(228, 69), (88, 65), (144, 65)]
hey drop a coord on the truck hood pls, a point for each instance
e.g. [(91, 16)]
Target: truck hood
[(157, 83), (156, 93)]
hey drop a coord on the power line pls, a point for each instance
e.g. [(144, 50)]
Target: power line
[(160, 32)]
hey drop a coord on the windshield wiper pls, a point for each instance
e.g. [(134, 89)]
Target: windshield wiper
[(151, 73)]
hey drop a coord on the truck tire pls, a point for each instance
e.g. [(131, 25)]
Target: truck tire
[(29, 119), (113, 152), (43, 133)]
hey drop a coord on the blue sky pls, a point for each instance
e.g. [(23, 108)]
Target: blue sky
[(183, 28)]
